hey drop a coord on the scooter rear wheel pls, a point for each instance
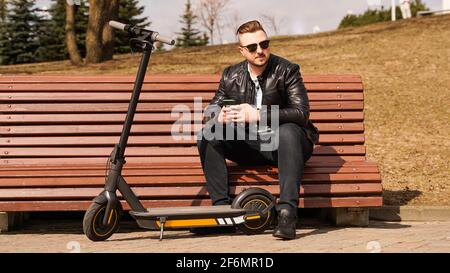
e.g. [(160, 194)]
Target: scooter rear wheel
[(257, 202), (93, 226)]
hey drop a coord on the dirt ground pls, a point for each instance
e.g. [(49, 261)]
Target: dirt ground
[(405, 67)]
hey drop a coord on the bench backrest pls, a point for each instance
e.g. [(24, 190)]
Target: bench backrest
[(77, 119)]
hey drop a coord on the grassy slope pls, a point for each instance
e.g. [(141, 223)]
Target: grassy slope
[(406, 72)]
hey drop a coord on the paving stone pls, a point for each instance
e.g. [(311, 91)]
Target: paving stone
[(378, 237)]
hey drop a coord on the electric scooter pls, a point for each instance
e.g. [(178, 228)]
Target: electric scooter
[(252, 210)]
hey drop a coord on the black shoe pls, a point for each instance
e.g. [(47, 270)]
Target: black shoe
[(287, 220), (213, 230)]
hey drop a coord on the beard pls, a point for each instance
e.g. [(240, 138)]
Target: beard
[(260, 62)]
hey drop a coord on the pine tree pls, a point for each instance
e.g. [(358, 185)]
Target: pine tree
[(51, 34), (81, 23), (189, 35), (3, 10), (417, 6), (52, 31), (374, 16), (19, 41), (55, 28), (205, 39), (129, 13), (5, 43)]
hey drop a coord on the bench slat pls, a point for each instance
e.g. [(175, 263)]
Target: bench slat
[(169, 167), (152, 151), (192, 192), (304, 202), (164, 87), (33, 180), (144, 140), (186, 78), (62, 171), (174, 96), (153, 117), (147, 107), (100, 129), (321, 160)]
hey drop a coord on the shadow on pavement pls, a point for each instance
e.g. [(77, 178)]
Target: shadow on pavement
[(72, 223), (387, 225), (400, 197)]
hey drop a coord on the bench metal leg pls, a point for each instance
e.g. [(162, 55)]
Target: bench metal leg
[(357, 217), (11, 220)]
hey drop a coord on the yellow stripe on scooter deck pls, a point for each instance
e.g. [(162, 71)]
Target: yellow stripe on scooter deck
[(189, 223)]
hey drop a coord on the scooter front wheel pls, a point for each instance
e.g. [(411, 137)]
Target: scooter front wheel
[(93, 226), (257, 202)]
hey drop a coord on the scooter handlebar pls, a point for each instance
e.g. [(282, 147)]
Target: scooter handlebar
[(117, 25), (156, 37), (163, 39)]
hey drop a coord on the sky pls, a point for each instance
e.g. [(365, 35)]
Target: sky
[(295, 16)]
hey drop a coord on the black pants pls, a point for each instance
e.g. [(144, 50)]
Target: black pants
[(294, 149)]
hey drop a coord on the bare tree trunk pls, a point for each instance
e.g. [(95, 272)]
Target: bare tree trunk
[(273, 22), (210, 28), (71, 41), (94, 44), (210, 11), (219, 32), (112, 13), (234, 22)]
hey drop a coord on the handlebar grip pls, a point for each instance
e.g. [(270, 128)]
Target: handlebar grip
[(133, 29), (163, 39), (117, 25)]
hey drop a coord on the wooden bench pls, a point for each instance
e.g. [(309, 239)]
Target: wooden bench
[(56, 133)]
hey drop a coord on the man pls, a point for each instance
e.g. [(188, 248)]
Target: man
[(257, 84)]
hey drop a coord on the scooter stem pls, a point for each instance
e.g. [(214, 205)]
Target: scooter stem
[(134, 98), (118, 156)]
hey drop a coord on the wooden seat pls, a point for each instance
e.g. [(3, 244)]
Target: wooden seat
[(56, 133)]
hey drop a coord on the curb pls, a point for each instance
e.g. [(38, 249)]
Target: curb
[(410, 213)]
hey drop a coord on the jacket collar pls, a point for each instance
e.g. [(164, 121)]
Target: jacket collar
[(266, 71)]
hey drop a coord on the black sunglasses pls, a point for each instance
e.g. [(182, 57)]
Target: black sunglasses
[(253, 47)]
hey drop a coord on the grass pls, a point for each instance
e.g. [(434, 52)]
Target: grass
[(405, 67)]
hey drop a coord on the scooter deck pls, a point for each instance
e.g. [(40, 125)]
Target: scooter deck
[(189, 212)]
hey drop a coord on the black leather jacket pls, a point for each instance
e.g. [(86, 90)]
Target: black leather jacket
[(281, 84)]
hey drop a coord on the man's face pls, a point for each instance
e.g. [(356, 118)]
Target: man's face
[(260, 56)]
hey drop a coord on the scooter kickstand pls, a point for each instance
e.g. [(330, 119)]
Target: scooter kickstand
[(162, 221)]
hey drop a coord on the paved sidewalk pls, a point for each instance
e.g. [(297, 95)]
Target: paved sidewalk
[(66, 236)]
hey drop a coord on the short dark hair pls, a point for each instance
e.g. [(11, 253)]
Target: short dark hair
[(250, 27)]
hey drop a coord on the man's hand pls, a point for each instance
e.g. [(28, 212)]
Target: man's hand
[(222, 115), (242, 113)]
